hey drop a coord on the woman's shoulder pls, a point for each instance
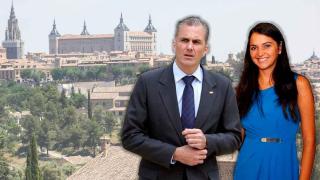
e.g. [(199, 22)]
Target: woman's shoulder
[(302, 82)]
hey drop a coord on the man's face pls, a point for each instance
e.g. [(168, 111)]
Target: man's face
[(190, 46)]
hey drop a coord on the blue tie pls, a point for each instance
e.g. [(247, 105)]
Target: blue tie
[(188, 112)]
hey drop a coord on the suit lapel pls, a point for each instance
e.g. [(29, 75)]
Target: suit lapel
[(208, 96), (167, 90)]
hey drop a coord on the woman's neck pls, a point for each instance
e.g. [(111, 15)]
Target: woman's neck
[(265, 79)]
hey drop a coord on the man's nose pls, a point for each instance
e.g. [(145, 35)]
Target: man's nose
[(190, 46)]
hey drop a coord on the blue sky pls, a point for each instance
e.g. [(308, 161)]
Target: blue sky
[(229, 20)]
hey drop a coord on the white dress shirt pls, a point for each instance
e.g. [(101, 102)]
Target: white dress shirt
[(196, 84)]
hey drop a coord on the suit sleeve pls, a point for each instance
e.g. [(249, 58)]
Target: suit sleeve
[(135, 136), (227, 138)]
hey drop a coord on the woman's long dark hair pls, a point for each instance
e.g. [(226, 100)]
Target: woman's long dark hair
[(283, 77)]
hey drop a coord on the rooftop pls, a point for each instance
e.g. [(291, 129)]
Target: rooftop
[(116, 164), (94, 36)]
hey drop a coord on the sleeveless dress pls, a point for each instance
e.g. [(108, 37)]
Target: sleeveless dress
[(275, 159)]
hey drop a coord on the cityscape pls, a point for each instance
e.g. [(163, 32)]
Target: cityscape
[(71, 100)]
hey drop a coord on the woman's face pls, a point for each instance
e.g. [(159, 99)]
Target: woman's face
[(264, 51)]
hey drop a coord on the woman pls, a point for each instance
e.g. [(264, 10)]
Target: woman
[(272, 102)]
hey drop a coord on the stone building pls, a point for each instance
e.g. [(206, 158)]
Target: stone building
[(13, 44), (122, 40), (11, 70), (3, 54), (7, 72), (115, 98), (310, 68)]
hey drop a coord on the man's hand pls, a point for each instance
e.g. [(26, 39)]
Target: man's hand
[(190, 156), (195, 138)]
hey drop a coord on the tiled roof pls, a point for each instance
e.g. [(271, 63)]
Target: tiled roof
[(95, 95), (94, 36), (125, 88), (117, 164)]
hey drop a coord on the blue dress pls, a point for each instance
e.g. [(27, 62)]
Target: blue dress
[(258, 160)]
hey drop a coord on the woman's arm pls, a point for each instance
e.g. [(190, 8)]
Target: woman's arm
[(243, 134), (306, 109)]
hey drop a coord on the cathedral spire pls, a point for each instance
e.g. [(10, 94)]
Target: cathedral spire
[(121, 19), (150, 27), (84, 31), (121, 26), (13, 28), (12, 14), (54, 30), (13, 42)]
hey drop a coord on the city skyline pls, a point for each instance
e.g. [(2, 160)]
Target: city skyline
[(229, 20)]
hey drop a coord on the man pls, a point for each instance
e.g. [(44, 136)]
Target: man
[(181, 116)]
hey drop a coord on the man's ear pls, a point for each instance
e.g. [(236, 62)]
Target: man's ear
[(207, 50), (173, 46)]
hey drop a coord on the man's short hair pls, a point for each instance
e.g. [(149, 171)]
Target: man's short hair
[(193, 21)]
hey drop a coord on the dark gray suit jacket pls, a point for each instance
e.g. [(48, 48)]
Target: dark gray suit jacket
[(152, 126)]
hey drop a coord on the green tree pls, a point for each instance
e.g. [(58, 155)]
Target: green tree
[(37, 76), (32, 169), (78, 100), (50, 91), (102, 73), (105, 119), (31, 125), (110, 122), (37, 103), (72, 74), (89, 105), (51, 172), (92, 73), (69, 117), (63, 98), (57, 74), (33, 74), (26, 73), (99, 114), (2, 106), (72, 91), (9, 133), (94, 132), (18, 96), (128, 71), (116, 73), (4, 168), (51, 112), (76, 137), (143, 68), (46, 135)]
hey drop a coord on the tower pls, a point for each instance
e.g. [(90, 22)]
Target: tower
[(121, 38), (152, 31), (13, 43), (53, 39), (84, 30)]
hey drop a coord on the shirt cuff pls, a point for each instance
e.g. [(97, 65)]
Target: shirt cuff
[(172, 161)]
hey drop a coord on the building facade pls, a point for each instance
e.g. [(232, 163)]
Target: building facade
[(13, 44), (3, 54), (122, 40)]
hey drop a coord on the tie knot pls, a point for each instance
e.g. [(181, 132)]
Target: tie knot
[(188, 79)]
